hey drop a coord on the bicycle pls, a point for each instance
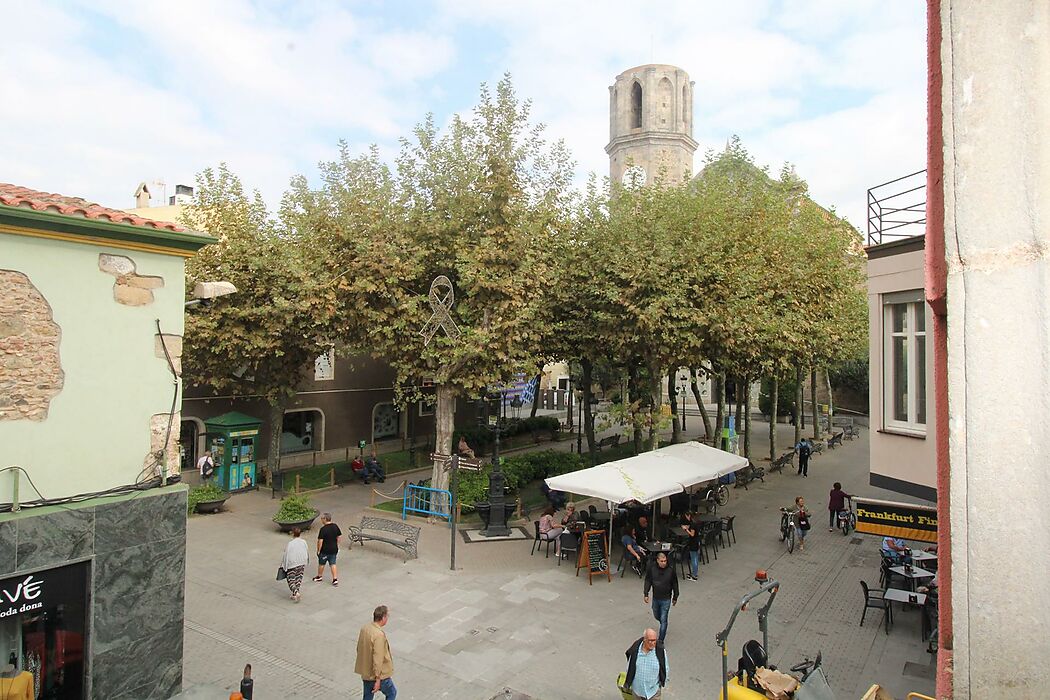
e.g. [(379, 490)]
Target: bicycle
[(717, 494), (788, 528), (847, 518)]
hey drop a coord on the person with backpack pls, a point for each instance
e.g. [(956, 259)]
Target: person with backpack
[(206, 466), (647, 667), (804, 449)]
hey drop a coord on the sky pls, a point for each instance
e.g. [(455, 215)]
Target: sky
[(98, 96)]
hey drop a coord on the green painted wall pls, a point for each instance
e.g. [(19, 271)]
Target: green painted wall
[(97, 432)]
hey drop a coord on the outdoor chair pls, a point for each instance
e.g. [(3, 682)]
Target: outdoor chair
[(567, 542), (728, 531), (873, 598), (539, 539), (709, 539), (624, 564), (592, 509), (886, 576)]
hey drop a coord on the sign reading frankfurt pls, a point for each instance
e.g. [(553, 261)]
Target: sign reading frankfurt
[(890, 519)]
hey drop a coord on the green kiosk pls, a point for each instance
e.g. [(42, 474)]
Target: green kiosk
[(232, 439)]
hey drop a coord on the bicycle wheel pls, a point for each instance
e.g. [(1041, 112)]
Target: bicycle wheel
[(791, 539), (722, 495), (845, 526)]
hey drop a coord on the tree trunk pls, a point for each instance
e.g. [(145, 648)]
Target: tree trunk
[(655, 401), (588, 417), (634, 406), (445, 423), (747, 419), (813, 400), (738, 394), (774, 396), (800, 406), (672, 398), (831, 399), (720, 393), (273, 455), (700, 404), (536, 396)]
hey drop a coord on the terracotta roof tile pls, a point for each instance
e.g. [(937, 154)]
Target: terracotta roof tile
[(15, 196)]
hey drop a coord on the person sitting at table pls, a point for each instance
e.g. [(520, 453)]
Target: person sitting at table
[(632, 550), (643, 525), (570, 518), (548, 530), (893, 548)]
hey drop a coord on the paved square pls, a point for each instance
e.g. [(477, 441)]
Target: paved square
[(505, 620)]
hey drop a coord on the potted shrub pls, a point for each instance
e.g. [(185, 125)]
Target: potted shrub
[(295, 511), (206, 498)]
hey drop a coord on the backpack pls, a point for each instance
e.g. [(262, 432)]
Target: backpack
[(209, 469), (804, 450)]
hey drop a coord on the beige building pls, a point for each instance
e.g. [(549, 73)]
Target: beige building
[(651, 125), (903, 454)]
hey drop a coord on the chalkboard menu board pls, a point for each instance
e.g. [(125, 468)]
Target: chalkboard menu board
[(594, 555)]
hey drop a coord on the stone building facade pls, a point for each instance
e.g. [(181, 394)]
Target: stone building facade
[(92, 538), (651, 125)]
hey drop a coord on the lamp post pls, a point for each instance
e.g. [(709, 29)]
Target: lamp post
[(497, 524)]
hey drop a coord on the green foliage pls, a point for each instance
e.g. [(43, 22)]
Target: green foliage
[(785, 397), (295, 509), (518, 471), (203, 494), (850, 374), (481, 439)]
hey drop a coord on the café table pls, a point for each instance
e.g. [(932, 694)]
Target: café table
[(916, 573), (918, 556), (897, 595)]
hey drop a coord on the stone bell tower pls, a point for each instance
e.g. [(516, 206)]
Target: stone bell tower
[(651, 125)]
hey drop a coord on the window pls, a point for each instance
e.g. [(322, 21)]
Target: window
[(636, 106), (904, 362), (426, 408), (324, 367)]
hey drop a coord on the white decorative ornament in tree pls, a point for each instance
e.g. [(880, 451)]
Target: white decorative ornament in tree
[(634, 176)]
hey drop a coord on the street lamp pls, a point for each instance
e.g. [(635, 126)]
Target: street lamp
[(497, 505)]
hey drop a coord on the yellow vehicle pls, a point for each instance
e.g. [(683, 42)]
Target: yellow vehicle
[(744, 684)]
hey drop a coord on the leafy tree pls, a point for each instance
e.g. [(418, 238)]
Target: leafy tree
[(258, 341)]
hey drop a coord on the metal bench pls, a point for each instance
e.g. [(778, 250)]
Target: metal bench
[(395, 532), (836, 440), (748, 474), (784, 460), (851, 431), (611, 441), (817, 447)]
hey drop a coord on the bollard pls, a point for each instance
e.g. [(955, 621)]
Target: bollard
[(297, 483), (331, 476)]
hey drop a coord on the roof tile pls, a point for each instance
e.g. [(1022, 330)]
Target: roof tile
[(16, 196)]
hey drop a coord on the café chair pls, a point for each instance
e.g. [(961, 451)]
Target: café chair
[(727, 530), (873, 598), (709, 539), (539, 539), (567, 542)]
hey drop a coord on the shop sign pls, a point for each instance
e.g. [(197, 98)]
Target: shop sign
[(244, 433), (21, 595), (891, 519)]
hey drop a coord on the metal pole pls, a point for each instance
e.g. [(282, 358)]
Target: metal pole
[(579, 429), (453, 484)]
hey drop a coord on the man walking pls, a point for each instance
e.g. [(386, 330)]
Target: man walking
[(206, 466), (374, 663), (804, 449), (646, 667), (663, 580), (327, 548)]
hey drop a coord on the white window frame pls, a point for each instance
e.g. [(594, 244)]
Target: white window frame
[(915, 304), (425, 408)]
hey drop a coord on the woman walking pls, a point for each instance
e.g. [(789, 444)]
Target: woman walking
[(296, 556), (803, 522)]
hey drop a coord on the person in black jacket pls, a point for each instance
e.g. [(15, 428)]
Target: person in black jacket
[(663, 580), (646, 667)]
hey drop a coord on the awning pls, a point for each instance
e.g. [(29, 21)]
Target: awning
[(650, 476)]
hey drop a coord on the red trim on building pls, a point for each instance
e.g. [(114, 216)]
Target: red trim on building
[(936, 297)]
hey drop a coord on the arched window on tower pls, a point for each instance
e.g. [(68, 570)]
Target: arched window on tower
[(636, 106), (685, 105)]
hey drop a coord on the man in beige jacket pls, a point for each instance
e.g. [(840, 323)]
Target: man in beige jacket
[(374, 663)]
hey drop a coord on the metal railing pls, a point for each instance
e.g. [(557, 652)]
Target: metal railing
[(424, 500), (897, 209)]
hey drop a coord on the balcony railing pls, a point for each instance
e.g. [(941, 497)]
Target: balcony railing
[(897, 209)]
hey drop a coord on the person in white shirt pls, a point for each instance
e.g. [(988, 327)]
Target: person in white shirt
[(206, 466), (296, 557)]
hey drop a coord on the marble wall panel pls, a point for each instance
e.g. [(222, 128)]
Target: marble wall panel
[(149, 669), (8, 542), (138, 593), (55, 538), (139, 520)]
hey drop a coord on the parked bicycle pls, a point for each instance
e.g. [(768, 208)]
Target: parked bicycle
[(788, 527), (716, 495), (847, 518)]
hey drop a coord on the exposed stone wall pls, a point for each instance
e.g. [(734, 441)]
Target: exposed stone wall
[(30, 367), (158, 429), (131, 288)]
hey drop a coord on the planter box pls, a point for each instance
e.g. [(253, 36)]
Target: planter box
[(210, 506), (301, 524)]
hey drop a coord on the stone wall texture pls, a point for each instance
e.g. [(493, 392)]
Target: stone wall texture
[(30, 367), (137, 549), (131, 288)]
